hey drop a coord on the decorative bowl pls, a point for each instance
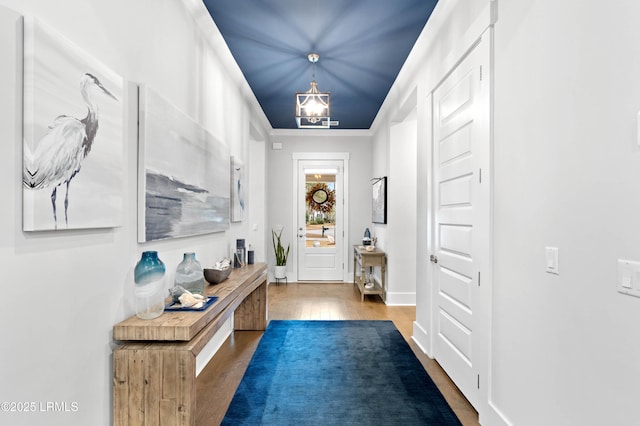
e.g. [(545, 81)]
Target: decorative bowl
[(216, 276)]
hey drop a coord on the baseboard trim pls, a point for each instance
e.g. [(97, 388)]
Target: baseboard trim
[(401, 299), (493, 416), (421, 338)]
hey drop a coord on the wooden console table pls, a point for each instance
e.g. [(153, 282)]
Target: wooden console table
[(369, 259), (154, 370)]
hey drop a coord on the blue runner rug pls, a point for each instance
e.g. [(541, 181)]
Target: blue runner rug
[(336, 373)]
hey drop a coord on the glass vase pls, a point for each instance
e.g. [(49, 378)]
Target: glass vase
[(149, 286), (189, 274)]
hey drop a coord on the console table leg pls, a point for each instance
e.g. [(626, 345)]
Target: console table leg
[(252, 312)]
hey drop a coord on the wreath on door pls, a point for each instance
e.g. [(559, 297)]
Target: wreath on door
[(320, 198)]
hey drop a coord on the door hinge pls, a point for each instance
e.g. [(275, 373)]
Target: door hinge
[(480, 72), (480, 175), (478, 279), (478, 381)]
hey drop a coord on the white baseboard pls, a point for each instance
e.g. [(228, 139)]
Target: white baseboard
[(401, 299), (493, 416), (421, 338)]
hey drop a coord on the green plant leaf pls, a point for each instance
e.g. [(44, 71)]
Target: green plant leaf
[(280, 253)]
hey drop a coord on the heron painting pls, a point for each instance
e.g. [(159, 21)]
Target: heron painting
[(183, 174), (73, 170)]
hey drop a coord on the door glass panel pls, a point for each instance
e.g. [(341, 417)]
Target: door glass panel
[(320, 205)]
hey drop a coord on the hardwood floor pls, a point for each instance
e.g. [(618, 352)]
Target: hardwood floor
[(217, 383)]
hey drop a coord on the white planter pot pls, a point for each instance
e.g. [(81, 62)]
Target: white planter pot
[(280, 272)]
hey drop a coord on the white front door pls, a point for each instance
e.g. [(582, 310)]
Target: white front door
[(320, 220), (461, 211)]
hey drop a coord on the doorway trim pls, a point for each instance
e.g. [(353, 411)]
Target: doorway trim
[(344, 156)]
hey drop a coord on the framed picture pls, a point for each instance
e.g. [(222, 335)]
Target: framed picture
[(379, 200), (237, 190), (183, 174), (73, 145)]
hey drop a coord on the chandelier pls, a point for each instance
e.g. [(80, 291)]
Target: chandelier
[(312, 106)]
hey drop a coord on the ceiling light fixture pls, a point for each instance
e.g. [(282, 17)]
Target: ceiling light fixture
[(312, 106)]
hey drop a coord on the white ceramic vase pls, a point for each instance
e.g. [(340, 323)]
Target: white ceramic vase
[(280, 272)]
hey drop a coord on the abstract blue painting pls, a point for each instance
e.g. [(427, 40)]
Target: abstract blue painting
[(183, 174)]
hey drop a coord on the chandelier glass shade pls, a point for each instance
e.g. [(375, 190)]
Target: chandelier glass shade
[(313, 106)]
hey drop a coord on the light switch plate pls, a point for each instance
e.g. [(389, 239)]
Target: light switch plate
[(638, 131), (628, 281), (551, 260)]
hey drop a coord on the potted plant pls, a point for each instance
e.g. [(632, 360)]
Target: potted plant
[(280, 270)]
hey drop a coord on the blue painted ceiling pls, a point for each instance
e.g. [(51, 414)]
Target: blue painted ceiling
[(362, 46)]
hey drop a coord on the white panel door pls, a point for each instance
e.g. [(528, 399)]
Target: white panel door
[(461, 210), (320, 220)]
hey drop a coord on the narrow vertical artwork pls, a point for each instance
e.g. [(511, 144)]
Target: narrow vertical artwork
[(73, 162), (237, 190), (183, 174), (379, 200)]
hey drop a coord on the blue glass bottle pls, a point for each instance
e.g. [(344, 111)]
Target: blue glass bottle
[(149, 287)]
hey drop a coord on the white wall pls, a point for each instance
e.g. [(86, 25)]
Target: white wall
[(567, 174), (64, 291), (381, 167), (257, 217), (280, 182), (564, 348), (401, 238)]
